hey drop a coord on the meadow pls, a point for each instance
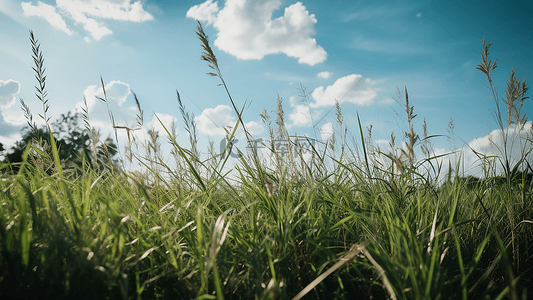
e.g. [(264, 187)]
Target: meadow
[(350, 221)]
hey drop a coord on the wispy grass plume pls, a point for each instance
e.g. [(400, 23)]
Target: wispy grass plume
[(39, 69)]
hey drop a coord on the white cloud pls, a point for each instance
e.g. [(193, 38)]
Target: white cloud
[(213, 120), (120, 10), (10, 121), (117, 93), (8, 93), (493, 144), (206, 11), (85, 11), (254, 128), (326, 132), (301, 116), (467, 162), (167, 120), (17, 119), (47, 12), (325, 74), (247, 31), (96, 29), (9, 139), (352, 88)]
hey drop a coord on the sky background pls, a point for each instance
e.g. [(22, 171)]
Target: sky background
[(356, 52)]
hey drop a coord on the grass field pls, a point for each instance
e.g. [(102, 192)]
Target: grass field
[(349, 222)]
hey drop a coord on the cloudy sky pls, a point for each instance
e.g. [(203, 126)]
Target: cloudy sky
[(355, 52)]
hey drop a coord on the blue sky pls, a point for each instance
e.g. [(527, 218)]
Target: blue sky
[(358, 52)]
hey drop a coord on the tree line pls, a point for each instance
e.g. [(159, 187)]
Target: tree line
[(75, 145)]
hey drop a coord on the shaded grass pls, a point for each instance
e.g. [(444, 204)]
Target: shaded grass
[(149, 241)]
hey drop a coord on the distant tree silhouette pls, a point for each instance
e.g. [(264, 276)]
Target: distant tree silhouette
[(522, 179), (72, 140), (15, 155)]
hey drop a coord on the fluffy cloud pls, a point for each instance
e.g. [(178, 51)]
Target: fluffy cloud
[(301, 116), (352, 88), (117, 93), (85, 11), (494, 143), (120, 10), (9, 137), (8, 93), (10, 121), (326, 132), (325, 74), (17, 119), (469, 158), (254, 128), (167, 120), (247, 31), (47, 12), (206, 11), (96, 29), (515, 136), (491, 146), (213, 120)]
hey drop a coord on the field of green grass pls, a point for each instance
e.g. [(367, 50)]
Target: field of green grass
[(350, 222)]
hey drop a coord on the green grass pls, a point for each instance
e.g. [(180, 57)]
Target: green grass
[(353, 222)]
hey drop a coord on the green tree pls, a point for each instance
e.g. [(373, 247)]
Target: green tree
[(15, 154), (73, 143)]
